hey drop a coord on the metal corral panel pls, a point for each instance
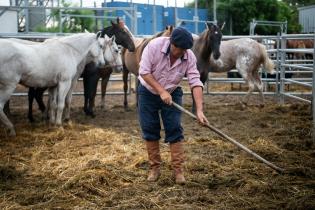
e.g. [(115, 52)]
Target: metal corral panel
[(37, 18), (8, 20), (307, 19), (188, 14)]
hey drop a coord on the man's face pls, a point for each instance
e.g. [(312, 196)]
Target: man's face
[(177, 52)]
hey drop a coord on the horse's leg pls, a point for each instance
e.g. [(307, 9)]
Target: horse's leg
[(52, 104), (125, 79), (4, 97), (39, 99), (259, 86), (6, 108), (94, 81), (203, 78), (137, 85), (245, 70), (105, 79), (86, 91), (63, 89), (86, 101), (251, 88), (69, 98), (31, 95)]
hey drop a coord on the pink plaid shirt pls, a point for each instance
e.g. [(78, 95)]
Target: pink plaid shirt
[(155, 60)]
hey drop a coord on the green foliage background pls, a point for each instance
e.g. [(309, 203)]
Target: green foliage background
[(239, 13)]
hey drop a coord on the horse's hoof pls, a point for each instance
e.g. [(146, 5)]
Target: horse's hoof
[(12, 133), (128, 109), (261, 106)]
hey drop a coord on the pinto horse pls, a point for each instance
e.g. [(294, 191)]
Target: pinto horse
[(246, 55), (52, 64)]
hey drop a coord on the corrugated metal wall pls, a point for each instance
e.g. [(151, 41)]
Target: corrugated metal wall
[(307, 19), (164, 16)]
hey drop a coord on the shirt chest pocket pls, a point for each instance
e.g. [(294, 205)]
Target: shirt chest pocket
[(178, 77)]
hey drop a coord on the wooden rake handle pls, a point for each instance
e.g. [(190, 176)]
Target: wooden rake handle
[(220, 133)]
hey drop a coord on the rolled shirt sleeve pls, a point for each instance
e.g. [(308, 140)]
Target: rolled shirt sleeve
[(192, 73)]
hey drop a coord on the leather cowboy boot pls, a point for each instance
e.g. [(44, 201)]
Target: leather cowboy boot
[(153, 148), (177, 158)]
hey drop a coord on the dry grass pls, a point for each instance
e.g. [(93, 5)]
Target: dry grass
[(101, 163)]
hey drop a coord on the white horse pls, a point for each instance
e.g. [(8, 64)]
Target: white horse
[(112, 56), (52, 64), (246, 55)]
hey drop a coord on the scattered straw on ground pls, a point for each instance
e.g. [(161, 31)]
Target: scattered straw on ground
[(101, 163)]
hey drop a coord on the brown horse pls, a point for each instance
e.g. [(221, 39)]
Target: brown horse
[(309, 44), (131, 62), (208, 43), (294, 44), (206, 46)]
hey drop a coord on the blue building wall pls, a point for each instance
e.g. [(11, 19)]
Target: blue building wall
[(164, 17), (187, 14)]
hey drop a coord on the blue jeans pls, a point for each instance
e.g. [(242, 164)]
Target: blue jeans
[(149, 106)]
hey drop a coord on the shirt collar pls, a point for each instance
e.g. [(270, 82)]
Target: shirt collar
[(167, 47)]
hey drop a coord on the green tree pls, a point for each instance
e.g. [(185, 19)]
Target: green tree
[(239, 13), (71, 20)]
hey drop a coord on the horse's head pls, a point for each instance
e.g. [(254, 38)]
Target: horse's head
[(123, 38), (96, 50), (112, 54), (214, 39)]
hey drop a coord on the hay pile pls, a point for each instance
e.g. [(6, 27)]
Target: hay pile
[(101, 163)]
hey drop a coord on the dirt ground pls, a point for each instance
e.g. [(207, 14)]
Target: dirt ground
[(101, 163)]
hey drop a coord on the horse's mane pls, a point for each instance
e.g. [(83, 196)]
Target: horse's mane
[(72, 40), (165, 33)]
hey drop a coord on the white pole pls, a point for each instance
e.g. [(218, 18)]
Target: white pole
[(196, 17), (313, 98), (215, 11), (176, 17), (154, 17)]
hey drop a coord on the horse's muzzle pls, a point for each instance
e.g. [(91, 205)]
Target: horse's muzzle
[(217, 55), (118, 68)]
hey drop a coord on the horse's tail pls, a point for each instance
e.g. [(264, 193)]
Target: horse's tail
[(267, 62)]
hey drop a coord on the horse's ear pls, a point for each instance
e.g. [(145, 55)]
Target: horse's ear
[(106, 38), (113, 38), (166, 27), (117, 19), (209, 25), (222, 26), (86, 31), (98, 34)]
